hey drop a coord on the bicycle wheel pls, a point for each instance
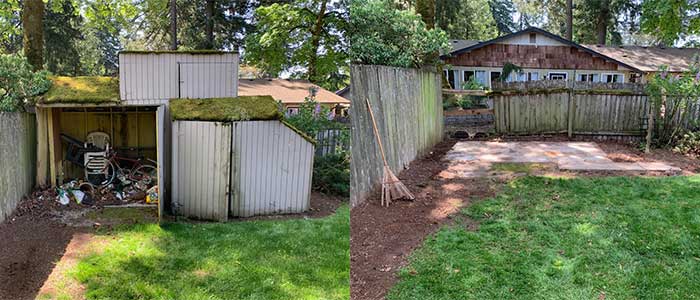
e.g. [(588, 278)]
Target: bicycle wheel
[(99, 171), (146, 173)]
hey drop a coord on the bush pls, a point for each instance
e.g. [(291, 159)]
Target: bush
[(689, 144), (332, 174), (384, 35), (311, 117), (18, 83)]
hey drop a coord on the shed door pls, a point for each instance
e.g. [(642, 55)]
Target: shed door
[(201, 162), (206, 79)]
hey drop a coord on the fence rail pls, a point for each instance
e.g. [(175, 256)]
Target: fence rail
[(17, 159), (408, 106)]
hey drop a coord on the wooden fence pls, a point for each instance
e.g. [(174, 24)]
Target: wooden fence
[(17, 159), (332, 141), (408, 106), (570, 107)]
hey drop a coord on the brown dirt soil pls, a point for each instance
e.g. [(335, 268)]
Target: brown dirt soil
[(322, 205), (382, 238)]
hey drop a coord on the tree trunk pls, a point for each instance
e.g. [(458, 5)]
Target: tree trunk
[(316, 40), (570, 20), (426, 9), (602, 22), (33, 28), (209, 28), (173, 24)]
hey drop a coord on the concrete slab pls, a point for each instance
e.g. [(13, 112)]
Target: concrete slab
[(475, 157)]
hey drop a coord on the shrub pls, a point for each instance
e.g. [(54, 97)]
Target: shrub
[(384, 35), (311, 117), (332, 174), (689, 144), (18, 83)]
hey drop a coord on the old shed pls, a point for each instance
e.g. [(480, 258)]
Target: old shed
[(237, 157)]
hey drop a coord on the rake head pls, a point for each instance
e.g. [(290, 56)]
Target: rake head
[(393, 188)]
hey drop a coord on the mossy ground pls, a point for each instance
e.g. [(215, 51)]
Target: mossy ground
[(225, 109)]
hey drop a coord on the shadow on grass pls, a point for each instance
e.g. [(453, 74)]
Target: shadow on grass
[(581, 238), (291, 259)]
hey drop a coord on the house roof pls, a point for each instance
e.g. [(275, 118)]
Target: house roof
[(461, 44), (469, 47), (81, 90), (650, 59), (287, 91)]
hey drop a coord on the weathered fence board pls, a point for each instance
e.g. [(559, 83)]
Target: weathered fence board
[(17, 159), (408, 107)]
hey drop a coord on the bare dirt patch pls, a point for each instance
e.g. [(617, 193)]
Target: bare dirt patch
[(382, 238)]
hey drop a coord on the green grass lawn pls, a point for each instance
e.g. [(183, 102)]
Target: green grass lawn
[(289, 259), (583, 238)]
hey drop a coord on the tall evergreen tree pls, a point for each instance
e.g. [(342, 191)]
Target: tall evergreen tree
[(502, 12)]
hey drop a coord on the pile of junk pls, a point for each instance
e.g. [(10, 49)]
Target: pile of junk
[(110, 177)]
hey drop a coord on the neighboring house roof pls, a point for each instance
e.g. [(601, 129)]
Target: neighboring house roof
[(467, 47), (81, 90), (650, 59), (461, 44), (344, 92), (288, 91)]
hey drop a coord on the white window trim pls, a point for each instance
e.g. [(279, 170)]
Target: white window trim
[(566, 75), (622, 76)]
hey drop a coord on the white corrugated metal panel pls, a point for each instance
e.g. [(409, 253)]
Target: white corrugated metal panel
[(164, 75), (272, 169), (200, 175)]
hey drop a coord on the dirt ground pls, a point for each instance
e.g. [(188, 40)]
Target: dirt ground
[(383, 238), (42, 239)]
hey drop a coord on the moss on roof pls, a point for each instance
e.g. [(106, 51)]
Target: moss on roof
[(81, 89), (225, 109), (194, 52)]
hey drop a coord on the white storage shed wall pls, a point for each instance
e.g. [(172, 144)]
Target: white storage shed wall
[(241, 169), (153, 78)]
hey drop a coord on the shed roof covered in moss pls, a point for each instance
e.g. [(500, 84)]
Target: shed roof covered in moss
[(225, 109), (81, 90)]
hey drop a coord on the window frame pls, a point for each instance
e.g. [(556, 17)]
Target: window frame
[(566, 75)]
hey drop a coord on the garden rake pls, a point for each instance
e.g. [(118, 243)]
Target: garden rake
[(392, 187)]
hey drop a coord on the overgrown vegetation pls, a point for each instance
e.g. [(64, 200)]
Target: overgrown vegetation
[(18, 83), (381, 34), (332, 174), (671, 96), (82, 89), (583, 238), (282, 259), (225, 109)]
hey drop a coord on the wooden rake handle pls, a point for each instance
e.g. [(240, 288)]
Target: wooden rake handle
[(376, 131)]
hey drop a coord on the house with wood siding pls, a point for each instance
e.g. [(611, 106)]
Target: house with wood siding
[(541, 55)]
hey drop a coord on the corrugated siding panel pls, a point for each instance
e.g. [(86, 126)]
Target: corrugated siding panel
[(155, 76), (201, 165), (272, 169)]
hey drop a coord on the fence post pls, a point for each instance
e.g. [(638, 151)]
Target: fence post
[(571, 111)]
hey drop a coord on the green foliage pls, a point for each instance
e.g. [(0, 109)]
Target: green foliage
[(286, 38), (470, 19), (671, 20), (62, 33), (509, 68), (331, 174), (472, 85), (583, 238), (689, 144), (225, 109), (384, 35), (273, 259), (464, 102), (502, 12), (681, 90), (18, 83), (311, 117)]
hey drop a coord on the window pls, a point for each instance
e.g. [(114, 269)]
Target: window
[(533, 76), (533, 38), (292, 111), (481, 77), (450, 75), (495, 76), (610, 78), (468, 75), (517, 76), (557, 76)]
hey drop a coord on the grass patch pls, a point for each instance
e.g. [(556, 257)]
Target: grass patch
[(242, 108), (290, 259), (124, 215), (82, 90), (527, 168), (581, 238)]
